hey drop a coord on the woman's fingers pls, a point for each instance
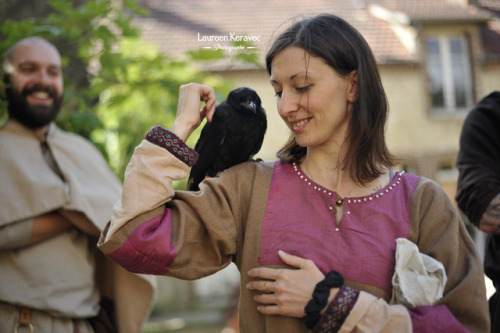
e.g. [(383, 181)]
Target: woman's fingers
[(189, 115), (260, 285), (278, 303), (207, 95), (190, 96), (264, 273), (292, 260), (209, 110), (276, 273)]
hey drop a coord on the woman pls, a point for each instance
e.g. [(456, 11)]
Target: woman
[(331, 198)]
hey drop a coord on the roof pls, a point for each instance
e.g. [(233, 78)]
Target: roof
[(435, 10), (177, 26), (490, 33), (489, 4)]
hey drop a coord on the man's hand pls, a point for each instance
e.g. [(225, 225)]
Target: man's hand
[(490, 221), (54, 223), (81, 222), (47, 226)]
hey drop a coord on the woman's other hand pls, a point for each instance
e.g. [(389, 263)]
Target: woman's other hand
[(285, 291)]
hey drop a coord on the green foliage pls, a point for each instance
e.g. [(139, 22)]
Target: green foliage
[(125, 86), (144, 93), (206, 54), (251, 56)]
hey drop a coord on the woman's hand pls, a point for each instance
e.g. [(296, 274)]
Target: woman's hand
[(285, 291), (189, 116)]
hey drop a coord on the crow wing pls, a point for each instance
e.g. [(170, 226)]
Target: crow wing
[(208, 145)]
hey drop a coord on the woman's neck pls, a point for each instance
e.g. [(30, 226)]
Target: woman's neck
[(328, 172)]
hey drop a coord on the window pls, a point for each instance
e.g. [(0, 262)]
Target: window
[(448, 67)]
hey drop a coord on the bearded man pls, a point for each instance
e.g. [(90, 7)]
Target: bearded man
[(56, 194)]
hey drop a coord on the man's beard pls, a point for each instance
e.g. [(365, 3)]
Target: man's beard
[(32, 116)]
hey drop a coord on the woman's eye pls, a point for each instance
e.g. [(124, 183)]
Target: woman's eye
[(302, 89), (278, 94)]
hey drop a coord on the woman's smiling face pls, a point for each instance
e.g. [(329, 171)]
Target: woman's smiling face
[(313, 99)]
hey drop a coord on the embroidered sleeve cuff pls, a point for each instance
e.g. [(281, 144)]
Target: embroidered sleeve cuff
[(171, 142), (338, 310)]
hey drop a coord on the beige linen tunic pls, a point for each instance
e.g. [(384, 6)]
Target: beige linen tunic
[(57, 276)]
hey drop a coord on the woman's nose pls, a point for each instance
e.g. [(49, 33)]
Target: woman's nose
[(288, 103)]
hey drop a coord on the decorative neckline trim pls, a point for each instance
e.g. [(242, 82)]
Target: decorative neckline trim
[(396, 180)]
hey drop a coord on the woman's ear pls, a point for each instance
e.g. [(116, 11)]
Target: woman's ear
[(352, 92)]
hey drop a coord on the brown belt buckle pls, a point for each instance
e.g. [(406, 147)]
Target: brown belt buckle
[(24, 320)]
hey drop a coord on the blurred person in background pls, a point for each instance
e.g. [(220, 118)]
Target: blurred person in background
[(478, 191), (56, 194)]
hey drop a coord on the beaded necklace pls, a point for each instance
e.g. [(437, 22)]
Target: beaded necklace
[(338, 202)]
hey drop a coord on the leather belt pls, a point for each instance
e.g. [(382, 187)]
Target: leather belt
[(25, 321)]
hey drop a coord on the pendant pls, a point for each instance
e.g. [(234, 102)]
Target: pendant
[(339, 202)]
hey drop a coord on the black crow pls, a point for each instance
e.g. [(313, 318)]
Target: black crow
[(234, 135)]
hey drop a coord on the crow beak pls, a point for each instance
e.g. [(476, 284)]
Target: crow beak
[(250, 105)]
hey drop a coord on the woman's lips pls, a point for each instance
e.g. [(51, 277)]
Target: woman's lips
[(299, 125)]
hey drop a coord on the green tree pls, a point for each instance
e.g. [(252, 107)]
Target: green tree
[(127, 86)]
